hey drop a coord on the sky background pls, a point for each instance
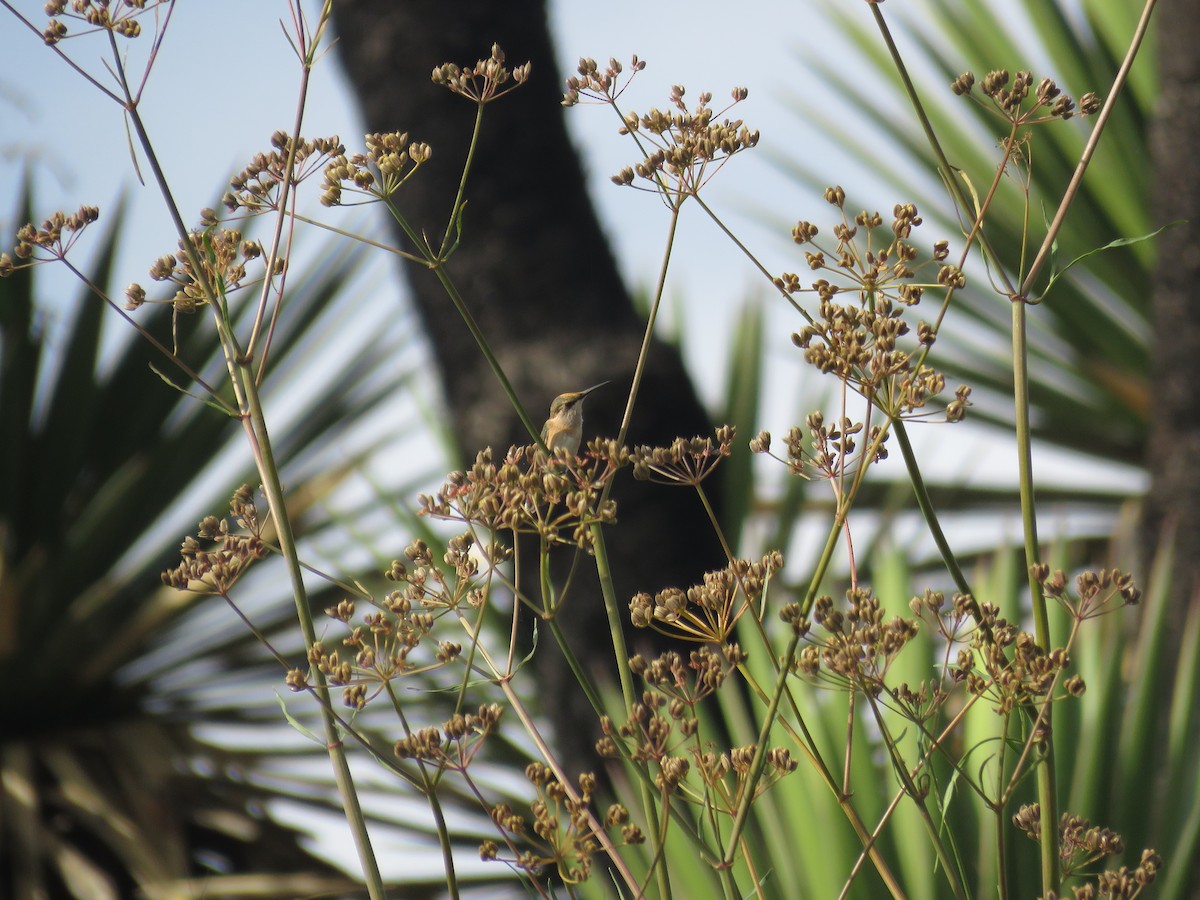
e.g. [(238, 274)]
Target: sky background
[(216, 95)]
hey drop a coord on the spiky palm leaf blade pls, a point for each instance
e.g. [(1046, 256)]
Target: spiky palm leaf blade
[(106, 673)]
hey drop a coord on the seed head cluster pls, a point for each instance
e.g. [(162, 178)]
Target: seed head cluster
[(600, 86), (663, 731), (686, 461), (859, 644), (860, 342), (531, 492), (456, 743), (116, 16), (709, 611), (486, 81), (560, 835), (223, 255), (50, 241), (216, 570), (1015, 98), (259, 186), (391, 159), (1081, 844), (683, 149)]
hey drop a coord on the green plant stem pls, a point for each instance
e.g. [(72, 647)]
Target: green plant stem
[(359, 238), (764, 734), (644, 352), (457, 206), (925, 504), (436, 261), (151, 339), (611, 607), (437, 266), (286, 195), (246, 391), (268, 470), (1046, 780), (758, 762), (1046, 775), (753, 259), (947, 171)]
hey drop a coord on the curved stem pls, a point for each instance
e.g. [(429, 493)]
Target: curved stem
[(1085, 158), (925, 504), (268, 470)]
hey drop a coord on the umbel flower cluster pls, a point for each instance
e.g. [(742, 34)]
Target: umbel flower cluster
[(709, 611), (50, 241), (531, 492), (116, 16), (682, 148), (260, 186), (484, 82), (222, 254), (562, 835), (1010, 97), (858, 340), (1081, 844), (218, 569), (391, 159)]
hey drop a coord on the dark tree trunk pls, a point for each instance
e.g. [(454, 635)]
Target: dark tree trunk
[(537, 273), (1173, 457), (1174, 450)]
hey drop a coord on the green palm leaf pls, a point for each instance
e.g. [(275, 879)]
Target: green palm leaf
[(1089, 350), (105, 674)]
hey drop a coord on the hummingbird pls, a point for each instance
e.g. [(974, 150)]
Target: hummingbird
[(564, 428)]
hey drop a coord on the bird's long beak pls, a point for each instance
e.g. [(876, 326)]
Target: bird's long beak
[(584, 393)]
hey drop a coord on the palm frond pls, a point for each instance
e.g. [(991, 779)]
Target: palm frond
[(1090, 348), (106, 673)]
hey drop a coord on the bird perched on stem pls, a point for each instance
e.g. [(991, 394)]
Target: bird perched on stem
[(564, 428)]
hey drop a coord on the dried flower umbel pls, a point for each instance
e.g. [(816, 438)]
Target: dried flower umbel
[(116, 16), (825, 451), (531, 492), (685, 461), (391, 159), (1081, 844), (560, 833), (488, 80), (217, 570), (259, 186), (859, 342), (456, 743), (600, 86), (1096, 593), (708, 611), (1010, 97), (384, 647), (223, 255), (682, 149), (858, 645), (49, 242), (662, 730)]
